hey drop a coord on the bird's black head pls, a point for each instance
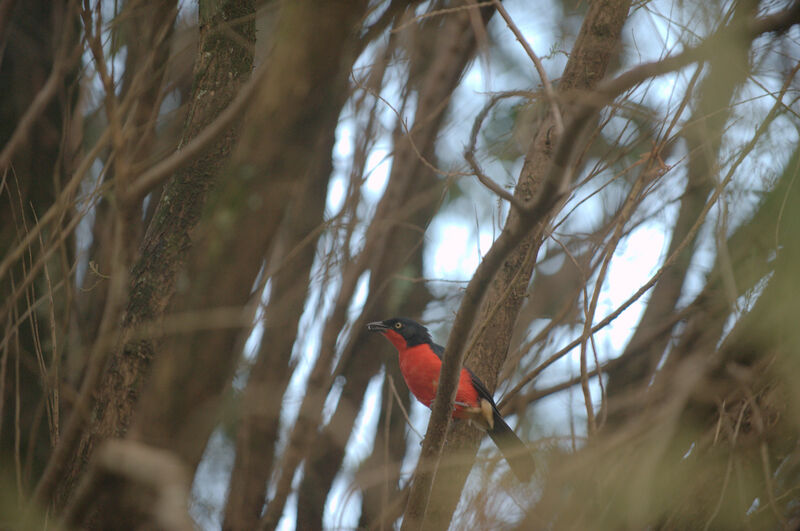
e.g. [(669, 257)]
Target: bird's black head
[(410, 331)]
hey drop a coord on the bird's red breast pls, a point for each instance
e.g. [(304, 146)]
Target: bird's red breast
[(420, 367)]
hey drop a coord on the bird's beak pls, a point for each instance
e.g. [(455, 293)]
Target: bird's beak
[(377, 326)]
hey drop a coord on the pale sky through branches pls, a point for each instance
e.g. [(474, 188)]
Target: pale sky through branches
[(466, 227)]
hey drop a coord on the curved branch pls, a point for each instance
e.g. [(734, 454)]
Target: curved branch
[(548, 87)]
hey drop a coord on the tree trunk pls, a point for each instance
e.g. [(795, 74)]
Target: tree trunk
[(222, 65)]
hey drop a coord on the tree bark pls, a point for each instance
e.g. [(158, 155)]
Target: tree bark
[(222, 65), (312, 43)]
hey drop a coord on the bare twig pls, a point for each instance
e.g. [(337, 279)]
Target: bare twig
[(402, 408), (548, 87), (489, 183), (469, 153), (624, 215), (744, 152), (610, 89), (57, 208)]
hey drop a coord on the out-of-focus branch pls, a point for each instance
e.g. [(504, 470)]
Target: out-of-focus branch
[(687, 400), (401, 238), (189, 151), (704, 137), (469, 155), (6, 8), (548, 87), (390, 15), (66, 56), (668, 262), (51, 216), (218, 76), (749, 249), (608, 90), (303, 435), (245, 215), (130, 111), (269, 377), (157, 470)]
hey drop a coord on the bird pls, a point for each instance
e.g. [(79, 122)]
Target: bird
[(421, 362)]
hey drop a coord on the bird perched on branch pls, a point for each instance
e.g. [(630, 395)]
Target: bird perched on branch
[(420, 364)]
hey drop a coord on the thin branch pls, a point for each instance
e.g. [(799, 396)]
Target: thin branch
[(624, 215), (469, 153), (62, 235), (548, 87), (771, 116), (181, 323), (610, 89), (489, 183), (538, 394), (402, 408)]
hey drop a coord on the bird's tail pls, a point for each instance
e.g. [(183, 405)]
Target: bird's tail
[(513, 449)]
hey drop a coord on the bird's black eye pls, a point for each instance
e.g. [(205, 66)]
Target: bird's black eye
[(398, 325)]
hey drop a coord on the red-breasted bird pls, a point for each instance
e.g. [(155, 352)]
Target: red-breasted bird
[(421, 362)]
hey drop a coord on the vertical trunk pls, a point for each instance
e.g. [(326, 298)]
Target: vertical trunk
[(257, 432), (313, 44), (221, 67)]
